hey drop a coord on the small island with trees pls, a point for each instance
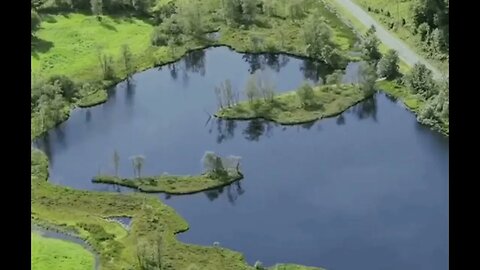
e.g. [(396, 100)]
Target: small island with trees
[(305, 104), (219, 172)]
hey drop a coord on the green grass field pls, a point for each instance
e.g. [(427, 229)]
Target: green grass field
[(69, 43), (287, 108), (51, 254)]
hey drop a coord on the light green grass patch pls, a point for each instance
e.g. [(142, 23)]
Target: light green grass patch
[(49, 254), (95, 98)]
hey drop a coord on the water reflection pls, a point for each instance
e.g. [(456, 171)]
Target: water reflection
[(129, 92), (315, 71), (234, 191), (88, 116), (254, 130), (259, 61), (366, 109), (225, 129), (194, 62), (340, 120)]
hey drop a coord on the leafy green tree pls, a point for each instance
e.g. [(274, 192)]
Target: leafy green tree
[(212, 163), (317, 37), (35, 22), (335, 78), (420, 81), (296, 9), (368, 77), (191, 13), (369, 45), (137, 163), (67, 86), (251, 89), (388, 66), (142, 6), (97, 7), (249, 10), (106, 65), (127, 59), (306, 95), (232, 11)]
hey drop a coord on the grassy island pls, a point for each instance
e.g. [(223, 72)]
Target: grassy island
[(301, 106), (172, 184)]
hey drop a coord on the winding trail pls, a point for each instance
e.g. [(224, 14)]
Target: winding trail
[(404, 52)]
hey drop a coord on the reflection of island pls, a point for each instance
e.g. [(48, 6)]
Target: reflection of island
[(233, 192)]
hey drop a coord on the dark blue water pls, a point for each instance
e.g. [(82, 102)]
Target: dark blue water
[(366, 190)]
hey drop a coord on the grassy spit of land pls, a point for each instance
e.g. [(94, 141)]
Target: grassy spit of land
[(153, 229), (48, 253), (289, 109), (173, 184)]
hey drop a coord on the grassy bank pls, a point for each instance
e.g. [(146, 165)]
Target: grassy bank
[(172, 184), (50, 254), (288, 109), (412, 102), (98, 97)]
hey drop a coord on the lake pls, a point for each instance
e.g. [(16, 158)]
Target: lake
[(365, 190)]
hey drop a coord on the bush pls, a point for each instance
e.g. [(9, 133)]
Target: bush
[(420, 81), (69, 90), (306, 95), (158, 38)]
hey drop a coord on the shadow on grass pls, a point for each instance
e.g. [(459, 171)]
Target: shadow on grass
[(108, 26), (39, 45)]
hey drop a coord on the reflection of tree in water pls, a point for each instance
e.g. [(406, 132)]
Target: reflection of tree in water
[(308, 125), (254, 130), (130, 91), (253, 61), (214, 193), (391, 98), (195, 62), (234, 191), (173, 71), (259, 61), (276, 61), (366, 109), (314, 71), (340, 120), (88, 116), (225, 129), (258, 127)]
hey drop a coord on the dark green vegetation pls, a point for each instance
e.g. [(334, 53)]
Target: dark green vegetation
[(424, 24), (218, 173), (305, 105)]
